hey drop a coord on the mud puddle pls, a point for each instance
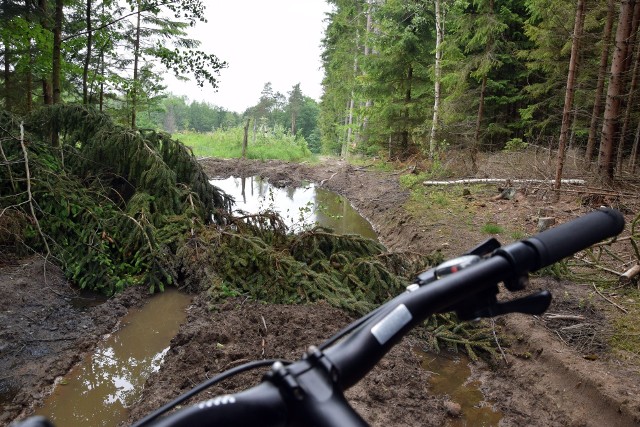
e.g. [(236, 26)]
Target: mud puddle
[(301, 207), (450, 377), (98, 390)]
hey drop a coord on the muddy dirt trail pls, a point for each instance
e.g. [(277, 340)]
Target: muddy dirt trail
[(541, 380)]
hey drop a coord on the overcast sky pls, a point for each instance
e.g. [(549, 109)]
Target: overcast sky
[(275, 41)]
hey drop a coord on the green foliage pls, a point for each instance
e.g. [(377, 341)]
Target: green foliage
[(515, 144), (268, 144), (256, 256), (113, 204), (445, 330)]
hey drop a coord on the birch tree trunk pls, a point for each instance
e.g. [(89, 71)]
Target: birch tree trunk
[(602, 69), (569, 93), (606, 164), (437, 77)]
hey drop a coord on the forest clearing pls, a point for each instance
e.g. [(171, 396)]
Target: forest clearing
[(443, 123), (585, 378)]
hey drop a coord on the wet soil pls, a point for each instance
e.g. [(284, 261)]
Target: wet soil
[(547, 376)]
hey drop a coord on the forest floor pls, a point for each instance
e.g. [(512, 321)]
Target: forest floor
[(559, 369)]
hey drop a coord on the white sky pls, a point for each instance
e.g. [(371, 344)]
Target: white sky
[(275, 41)]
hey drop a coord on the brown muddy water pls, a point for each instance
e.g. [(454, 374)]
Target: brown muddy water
[(98, 390), (301, 207), (450, 377)]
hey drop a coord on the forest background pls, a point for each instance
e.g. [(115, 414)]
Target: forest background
[(81, 95), (401, 77)]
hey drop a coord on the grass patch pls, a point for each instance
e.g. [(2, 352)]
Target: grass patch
[(626, 334), (273, 144), (491, 228)]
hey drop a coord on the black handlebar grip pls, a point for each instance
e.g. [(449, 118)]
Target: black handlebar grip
[(560, 242)]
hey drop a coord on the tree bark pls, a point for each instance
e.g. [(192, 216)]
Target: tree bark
[(627, 114), (47, 96), (29, 77), (87, 59), (347, 143), (367, 52), (437, 77), (569, 93), (476, 137), (57, 53), (245, 139), (7, 77), (606, 164), (602, 69), (407, 102)]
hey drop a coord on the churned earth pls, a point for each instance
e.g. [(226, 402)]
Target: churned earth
[(554, 370)]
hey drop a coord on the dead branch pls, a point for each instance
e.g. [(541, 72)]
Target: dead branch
[(328, 179), (554, 316), (30, 199), (576, 326), (599, 267), (501, 180), (619, 307)]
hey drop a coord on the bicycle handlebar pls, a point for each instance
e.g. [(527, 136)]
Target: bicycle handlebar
[(310, 392), (560, 242)]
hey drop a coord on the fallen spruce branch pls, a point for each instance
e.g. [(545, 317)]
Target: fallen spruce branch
[(501, 180)]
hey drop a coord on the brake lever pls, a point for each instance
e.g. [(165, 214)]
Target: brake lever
[(536, 303)]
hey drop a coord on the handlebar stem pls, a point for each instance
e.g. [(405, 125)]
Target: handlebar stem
[(311, 391)]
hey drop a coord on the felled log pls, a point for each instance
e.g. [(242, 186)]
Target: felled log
[(630, 274), (500, 180)]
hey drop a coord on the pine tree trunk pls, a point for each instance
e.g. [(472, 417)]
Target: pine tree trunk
[(245, 139), (367, 52), (136, 58), (629, 107), (29, 76), (8, 90), (569, 93), (606, 164), (407, 103), (437, 77), (87, 59), (633, 158), (44, 21), (57, 53), (476, 137), (352, 102), (602, 70), (7, 77)]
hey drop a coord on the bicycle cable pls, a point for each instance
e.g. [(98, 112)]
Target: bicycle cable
[(203, 386)]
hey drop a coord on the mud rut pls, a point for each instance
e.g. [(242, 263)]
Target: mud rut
[(542, 383)]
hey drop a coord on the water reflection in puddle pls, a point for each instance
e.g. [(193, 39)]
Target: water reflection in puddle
[(301, 207), (450, 375), (98, 390)]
